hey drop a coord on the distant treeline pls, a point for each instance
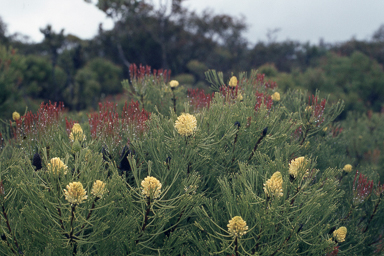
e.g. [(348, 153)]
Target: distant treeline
[(80, 72)]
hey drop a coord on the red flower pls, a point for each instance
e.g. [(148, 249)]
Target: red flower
[(362, 189)]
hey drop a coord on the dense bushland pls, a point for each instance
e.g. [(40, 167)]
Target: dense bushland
[(247, 170)]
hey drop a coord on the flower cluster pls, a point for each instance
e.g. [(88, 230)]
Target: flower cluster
[(15, 116), (276, 96), (98, 189), (316, 109), (262, 98), (274, 186), (237, 227), (33, 126), (233, 82), (57, 166), (347, 168), (296, 165), (75, 193), (362, 189), (77, 133), (173, 83), (198, 99), (340, 234), (186, 124), (151, 187)]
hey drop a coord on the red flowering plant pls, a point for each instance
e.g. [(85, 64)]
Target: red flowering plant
[(105, 126), (133, 119), (198, 99), (362, 188), (40, 127), (149, 87), (114, 131)]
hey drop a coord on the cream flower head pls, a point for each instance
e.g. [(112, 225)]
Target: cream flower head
[(77, 133), (57, 166), (233, 81), (340, 234), (151, 187), (276, 96), (274, 186), (240, 97), (296, 165), (173, 83), (98, 189), (347, 168), (15, 116), (186, 124), (237, 227), (75, 193)]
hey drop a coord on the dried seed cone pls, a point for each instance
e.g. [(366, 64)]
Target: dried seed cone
[(75, 193), (151, 187), (237, 227), (186, 124), (340, 234), (274, 186), (57, 166)]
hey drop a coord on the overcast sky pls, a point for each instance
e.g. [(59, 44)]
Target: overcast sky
[(303, 20)]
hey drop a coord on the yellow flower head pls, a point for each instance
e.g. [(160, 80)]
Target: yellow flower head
[(174, 83), (274, 186), (98, 189), (57, 166), (75, 193), (237, 227), (276, 96), (151, 187), (15, 116), (77, 133), (240, 97), (296, 165), (233, 82), (340, 234), (347, 168), (186, 124)]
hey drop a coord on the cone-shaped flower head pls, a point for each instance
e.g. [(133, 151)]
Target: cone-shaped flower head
[(77, 133), (296, 165), (347, 168), (151, 187), (15, 116), (186, 124), (57, 166), (233, 82), (276, 96), (274, 186), (173, 83), (237, 227), (98, 189), (75, 193), (340, 234)]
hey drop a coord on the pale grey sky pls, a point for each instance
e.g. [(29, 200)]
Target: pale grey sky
[(303, 20)]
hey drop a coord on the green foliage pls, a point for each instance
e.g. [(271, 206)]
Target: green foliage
[(220, 171), (11, 76)]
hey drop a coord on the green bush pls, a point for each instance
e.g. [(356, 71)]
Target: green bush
[(225, 175)]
